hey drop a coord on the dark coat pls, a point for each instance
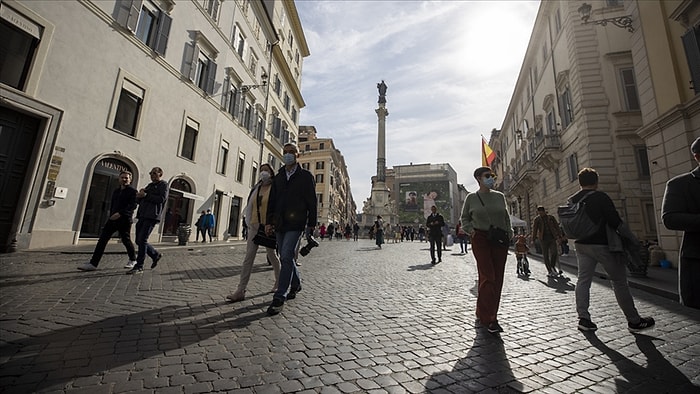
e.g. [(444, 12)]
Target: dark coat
[(124, 202), (292, 205), (435, 225), (601, 209), (680, 210), (152, 204)]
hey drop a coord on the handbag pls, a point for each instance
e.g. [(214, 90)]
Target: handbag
[(496, 235), (261, 238)]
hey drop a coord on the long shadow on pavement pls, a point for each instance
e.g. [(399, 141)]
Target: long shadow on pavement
[(485, 367), (559, 284), (52, 360), (659, 376)]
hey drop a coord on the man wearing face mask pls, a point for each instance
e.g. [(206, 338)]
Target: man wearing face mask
[(292, 211), (255, 213)]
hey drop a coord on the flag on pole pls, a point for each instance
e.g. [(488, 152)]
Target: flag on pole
[(487, 154)]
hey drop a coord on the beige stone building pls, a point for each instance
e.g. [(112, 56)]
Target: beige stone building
[(611, 94), (327, 164), (575, 105), (205, 89)]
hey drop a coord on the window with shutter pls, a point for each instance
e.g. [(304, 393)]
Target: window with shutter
[(691, 40)]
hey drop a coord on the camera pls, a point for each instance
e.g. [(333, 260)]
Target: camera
[(310, 244)]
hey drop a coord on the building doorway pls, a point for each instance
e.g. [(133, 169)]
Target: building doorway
[(234, 216), (105, 179), (18, 134), (177, 210)]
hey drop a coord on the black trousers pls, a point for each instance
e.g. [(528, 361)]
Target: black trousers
[(435, 242), (689, 282), (123, 227)]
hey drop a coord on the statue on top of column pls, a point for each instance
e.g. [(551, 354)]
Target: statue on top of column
[(382, 92)]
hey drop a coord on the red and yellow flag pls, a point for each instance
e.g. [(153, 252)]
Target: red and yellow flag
[(487, 154)]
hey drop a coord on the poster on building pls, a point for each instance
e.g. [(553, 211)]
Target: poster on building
[(416, 198)]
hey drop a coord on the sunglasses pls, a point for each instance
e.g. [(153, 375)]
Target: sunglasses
[(489, 175)]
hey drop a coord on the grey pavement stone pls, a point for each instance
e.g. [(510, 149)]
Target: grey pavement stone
[(367, 321)]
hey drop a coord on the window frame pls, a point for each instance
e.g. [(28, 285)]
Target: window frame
[(222, 159), (189, 124), (624, 86), (240, 171), (127, 82)]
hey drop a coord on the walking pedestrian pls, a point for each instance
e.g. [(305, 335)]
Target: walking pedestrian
[(355, 231), (330, 230), (379, 231), (256, 210), (208, 223), (292, 210), (483, 210), (461, 237), (546, 229), (121, 210), (421, 233), (151, 200), (434, 223), (595, 249), (322, 231), (199, 225), (348, 231), (680, 210)]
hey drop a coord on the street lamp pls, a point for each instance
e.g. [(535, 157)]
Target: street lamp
[(247, 88), (624, 22)]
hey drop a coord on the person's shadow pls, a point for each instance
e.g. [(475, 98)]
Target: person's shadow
[(484, 369), (658, 376)]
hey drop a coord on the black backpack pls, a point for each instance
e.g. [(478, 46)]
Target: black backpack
[(574, 219)]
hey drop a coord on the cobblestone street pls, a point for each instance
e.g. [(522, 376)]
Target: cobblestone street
[(366, 321)]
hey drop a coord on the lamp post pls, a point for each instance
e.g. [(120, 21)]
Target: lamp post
[(624, 22), (248, 88)]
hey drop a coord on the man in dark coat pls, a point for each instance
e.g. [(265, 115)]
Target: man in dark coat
[(434, 223), (121, 211), (680, 210), (292, 211), (151, 201)]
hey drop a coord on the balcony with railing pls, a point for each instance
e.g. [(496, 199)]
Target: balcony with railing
[(547, 150)]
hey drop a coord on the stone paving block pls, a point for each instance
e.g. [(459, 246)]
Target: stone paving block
[(173, 324)]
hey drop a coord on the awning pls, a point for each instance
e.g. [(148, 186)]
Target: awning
[(189, 195), (517, 222)]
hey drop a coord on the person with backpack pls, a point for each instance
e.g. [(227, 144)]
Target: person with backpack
[(594, 249), (546, 230)]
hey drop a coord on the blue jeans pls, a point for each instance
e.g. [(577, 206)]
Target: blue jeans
[(143, 231), (289, 274)]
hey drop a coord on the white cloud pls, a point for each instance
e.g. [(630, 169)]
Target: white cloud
[(450, 68)]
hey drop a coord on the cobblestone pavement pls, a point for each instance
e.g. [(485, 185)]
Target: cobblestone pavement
[(367, 321)]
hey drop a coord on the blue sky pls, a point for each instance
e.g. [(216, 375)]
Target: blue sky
[(450, 67)]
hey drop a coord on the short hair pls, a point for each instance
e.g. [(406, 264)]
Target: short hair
[(695, 147), (540, 208), (296, 148), (481, 170), (158, 170), (588, 177), (268, 166), (127, 173)]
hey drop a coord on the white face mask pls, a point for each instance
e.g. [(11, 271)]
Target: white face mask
[(264, 176), (289, 158)]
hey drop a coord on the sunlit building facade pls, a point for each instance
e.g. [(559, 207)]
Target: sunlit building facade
[(207, 90)]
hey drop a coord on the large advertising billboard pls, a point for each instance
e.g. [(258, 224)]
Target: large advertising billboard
[(416, 198)]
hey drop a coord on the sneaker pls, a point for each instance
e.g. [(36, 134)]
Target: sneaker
[(494, 327), (644, 324), (275, 307), (87, 267), (586, 325), (156, 260), (134, 271), (130, 264), (293, 293)]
